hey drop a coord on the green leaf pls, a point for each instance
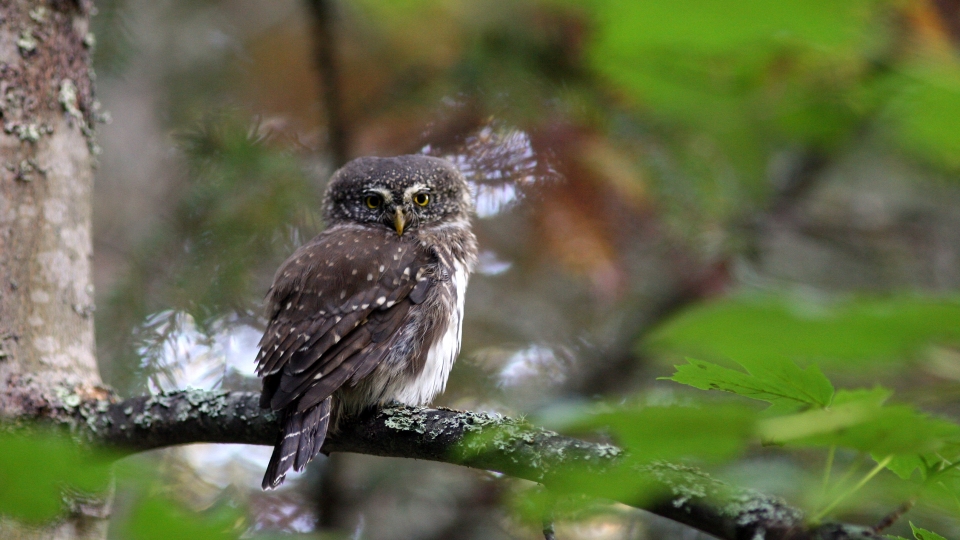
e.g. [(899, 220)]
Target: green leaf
[(942, 489), (778, 381), (876, 396), (756, 327), (155, 518), (858, 419), (923, 534), (672, 433), (783, 429), (903, 466), (35, 469), (865, 426), (926, 114), (722, 25)]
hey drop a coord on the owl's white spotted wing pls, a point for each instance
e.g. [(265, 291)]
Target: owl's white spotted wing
[(335, 307)]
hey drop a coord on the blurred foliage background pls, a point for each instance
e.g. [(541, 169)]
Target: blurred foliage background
[(725, 179)]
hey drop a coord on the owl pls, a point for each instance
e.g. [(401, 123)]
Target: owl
[(371, 310)]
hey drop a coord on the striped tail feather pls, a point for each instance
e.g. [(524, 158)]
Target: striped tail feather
[(300, 440)]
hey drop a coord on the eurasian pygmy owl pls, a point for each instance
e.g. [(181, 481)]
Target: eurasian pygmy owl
[(371, 310)]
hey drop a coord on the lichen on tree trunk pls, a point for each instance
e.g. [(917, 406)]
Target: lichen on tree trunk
[(47, 351)]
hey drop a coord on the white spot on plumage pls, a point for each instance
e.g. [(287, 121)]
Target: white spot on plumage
[(381, 300), (369, 277)]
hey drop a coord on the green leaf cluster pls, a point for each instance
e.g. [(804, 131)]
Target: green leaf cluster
[(42, 475), (806, 412), (857, 419), (766, 333)]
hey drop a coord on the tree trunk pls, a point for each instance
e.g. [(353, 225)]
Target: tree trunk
[(47, 353)]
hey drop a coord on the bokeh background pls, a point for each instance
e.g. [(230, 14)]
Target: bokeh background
[(722, 179)]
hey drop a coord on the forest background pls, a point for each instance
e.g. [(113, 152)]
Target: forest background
[(764, 194)]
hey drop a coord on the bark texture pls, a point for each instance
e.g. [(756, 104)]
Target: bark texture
[(47, 354), (478, 440)]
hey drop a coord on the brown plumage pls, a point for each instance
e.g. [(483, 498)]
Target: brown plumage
[(369, 311)]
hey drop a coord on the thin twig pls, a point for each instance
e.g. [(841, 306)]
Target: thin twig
[(892, 517)]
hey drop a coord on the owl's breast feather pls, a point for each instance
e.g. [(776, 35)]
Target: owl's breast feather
[(432, 379)]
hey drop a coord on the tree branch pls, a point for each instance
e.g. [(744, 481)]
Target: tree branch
[(478, 440)]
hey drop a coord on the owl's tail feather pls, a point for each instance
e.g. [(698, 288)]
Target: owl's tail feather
[(302, 436)]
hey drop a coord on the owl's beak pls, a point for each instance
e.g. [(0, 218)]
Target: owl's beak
[(399, 221)]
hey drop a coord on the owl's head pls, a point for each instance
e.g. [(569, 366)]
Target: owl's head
[(401, 193)]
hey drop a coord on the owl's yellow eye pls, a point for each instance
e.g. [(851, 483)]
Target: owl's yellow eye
[(373, 201), (422, 199)]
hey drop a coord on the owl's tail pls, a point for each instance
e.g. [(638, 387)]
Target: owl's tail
[(302, 436)]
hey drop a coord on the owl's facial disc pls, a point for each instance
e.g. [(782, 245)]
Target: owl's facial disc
[(404, 193)]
